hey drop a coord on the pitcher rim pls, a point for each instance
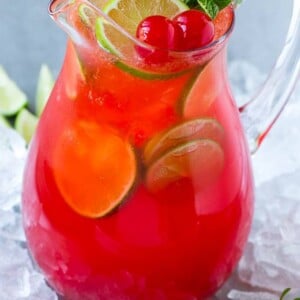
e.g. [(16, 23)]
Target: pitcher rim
[(134, 39)]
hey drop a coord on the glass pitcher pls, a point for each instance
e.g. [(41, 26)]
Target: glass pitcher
[(138, 183)]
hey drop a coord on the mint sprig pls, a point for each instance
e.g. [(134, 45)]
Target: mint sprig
[(222, 3), (210, 7)]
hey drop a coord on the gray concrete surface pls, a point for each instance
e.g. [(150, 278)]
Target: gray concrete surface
[(29, 37)]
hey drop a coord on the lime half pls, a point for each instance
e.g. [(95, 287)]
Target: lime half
[(26, 124), (127, 14), (44, 88), (12, 99)]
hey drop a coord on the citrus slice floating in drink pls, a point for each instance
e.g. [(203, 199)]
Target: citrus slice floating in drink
[(75, 72), (119, 39), (207, 128), (204, 91), (199, 160), (94, 168), (44, 87)]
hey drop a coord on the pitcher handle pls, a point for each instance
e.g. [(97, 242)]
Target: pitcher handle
[(260, 113)]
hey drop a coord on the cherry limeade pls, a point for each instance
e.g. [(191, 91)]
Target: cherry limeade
[(161, 234)]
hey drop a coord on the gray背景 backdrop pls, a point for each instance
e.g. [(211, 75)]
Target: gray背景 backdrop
[(29, 37)]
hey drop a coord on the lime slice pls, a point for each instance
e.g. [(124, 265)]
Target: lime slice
[(12, 99), (75, 73), (44, 88), (200, 160), (26, 124), (148, 75), (4, 122), (127, 14), (205, 89), (84, 14), (207, 128)]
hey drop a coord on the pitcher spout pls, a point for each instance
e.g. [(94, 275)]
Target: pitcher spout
[(68, 14), (57, 7), (61, 12)]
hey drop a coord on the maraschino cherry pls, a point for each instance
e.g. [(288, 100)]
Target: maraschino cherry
[(197, 28), (161, 32), (188, 30)]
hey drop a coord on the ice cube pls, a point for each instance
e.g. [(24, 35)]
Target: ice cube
[(39, 289), (12, 142), (14, 283), (244, 295), (272, 257), (11, 225), (290, 227), (15, 267), (245, 80), (13, 255), (19, 279), (12, 159)]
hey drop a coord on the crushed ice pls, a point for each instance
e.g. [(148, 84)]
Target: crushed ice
[(271, 262), (19, 280)]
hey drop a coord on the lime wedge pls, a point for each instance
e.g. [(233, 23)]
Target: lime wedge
[(201, 128), (204, 90), (12, 99), (44, 88), (26, 124), (4, 122), (199, 160)]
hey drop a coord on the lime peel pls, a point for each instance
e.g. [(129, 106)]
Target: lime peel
[(200, 160), (208, 128)]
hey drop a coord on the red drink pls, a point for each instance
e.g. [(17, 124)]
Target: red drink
[(167, 155)]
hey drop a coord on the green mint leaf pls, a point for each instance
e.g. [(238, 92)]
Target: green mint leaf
[(222, 3), (190, 3), (209, 7)]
